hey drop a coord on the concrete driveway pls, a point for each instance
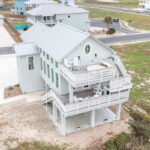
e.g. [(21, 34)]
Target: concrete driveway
[(8, 72), (5, 39)]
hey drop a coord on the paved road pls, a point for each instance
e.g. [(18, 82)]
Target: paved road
[(6, 50), (112, 8), (125, 38), (117, 26)]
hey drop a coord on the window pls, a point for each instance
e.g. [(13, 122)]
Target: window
[(41, 64), (52, 60), (52, 75), (44, 67), (30, 63), (43, 53), (47, 56), (95, 55), (56, 64), (79, 58), (87, 49), (48, 71), (57, 80)]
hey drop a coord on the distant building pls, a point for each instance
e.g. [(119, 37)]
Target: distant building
[(1, 20), (85, 81), (59, 13), (68, 2), (19, 7), (36, 3), (145, 4)]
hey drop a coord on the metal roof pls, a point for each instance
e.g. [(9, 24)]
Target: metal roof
[(23, 49), (34, 2), (54, 9), (57, 41)]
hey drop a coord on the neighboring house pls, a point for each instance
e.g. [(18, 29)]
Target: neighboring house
[(83, 78), (68, 2), (19, 7), (145, 4), (36, 3), (59, 13), (1, 20)]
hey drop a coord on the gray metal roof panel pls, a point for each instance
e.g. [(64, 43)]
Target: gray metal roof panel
[(47, 10), (57, 41), (25, 48)]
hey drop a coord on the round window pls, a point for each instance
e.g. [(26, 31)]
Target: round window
[(87, 49)]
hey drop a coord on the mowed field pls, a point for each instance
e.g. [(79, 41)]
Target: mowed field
[(135, 20)]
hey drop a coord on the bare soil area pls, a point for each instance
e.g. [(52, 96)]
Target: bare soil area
[(21, 121), (12, 91)]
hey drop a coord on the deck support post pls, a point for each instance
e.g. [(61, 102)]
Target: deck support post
[(46, 92), (70, 94), (118, 111), (54, 113), (63, 124), (92, 119)]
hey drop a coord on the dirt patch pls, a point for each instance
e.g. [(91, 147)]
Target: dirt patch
[(12, 91), (22, 121)]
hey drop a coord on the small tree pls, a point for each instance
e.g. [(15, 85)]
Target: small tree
[(107, 20)]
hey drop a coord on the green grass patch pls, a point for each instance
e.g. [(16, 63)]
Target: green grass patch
[(17, 21), (120, 3), (136, 58), (41, 146), (135, 20)]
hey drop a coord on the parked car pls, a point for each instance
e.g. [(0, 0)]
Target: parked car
[(116, 20)]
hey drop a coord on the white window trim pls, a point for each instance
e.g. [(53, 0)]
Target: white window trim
[(28, 63)]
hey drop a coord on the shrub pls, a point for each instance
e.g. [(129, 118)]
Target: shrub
[(118, 143), (111, 31), (25, 28)]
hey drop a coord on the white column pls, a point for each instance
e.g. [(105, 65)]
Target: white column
[(118, 111), (54, 113), (63, 124), (92, 119), (70, 93)]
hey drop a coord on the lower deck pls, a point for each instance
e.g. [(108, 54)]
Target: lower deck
[(81, 121)]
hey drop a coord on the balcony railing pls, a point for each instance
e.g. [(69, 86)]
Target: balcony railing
[(88, 77), (90, 104)]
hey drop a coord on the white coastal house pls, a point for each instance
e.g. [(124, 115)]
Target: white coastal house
[(1, 20), (83, 78), (36, 3), (59, 13), (145, 4)]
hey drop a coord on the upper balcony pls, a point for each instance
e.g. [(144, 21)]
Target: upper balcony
[(90, 74)]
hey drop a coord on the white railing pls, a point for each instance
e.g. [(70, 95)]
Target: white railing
[(121, 83), (90, 104), (88, 77), (95, 103)]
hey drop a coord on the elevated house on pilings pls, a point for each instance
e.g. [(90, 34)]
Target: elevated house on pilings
[(59, 13), (82, 77)]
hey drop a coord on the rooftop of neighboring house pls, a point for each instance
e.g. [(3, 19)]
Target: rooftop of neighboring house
[(34, 2), (48, 10), (67, 37), (1, 16)]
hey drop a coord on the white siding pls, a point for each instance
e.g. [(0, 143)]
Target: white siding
[(30, 80), (86, 59), (79, 21)]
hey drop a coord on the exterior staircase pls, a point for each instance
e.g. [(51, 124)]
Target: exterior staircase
[(47, 97)]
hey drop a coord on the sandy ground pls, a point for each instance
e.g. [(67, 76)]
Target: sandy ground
[(101, 32), (8, 72), (5, 39), (21, 121)]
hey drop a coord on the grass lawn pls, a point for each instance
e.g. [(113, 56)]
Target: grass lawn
[(17, 21), (134, 20), (136, 57), (121, 3)]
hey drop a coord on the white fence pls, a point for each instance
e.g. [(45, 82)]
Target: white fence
[(89, 77)]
